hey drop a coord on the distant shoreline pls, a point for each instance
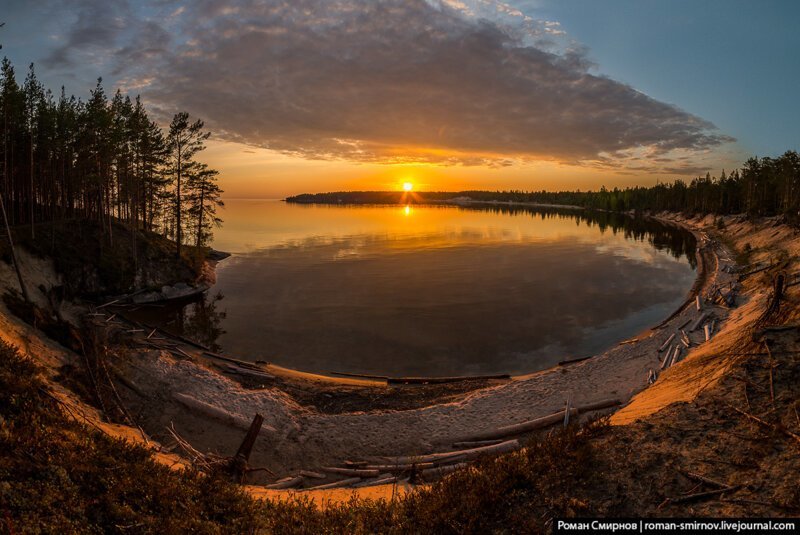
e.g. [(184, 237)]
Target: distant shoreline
[(422, 197), (456, 198)]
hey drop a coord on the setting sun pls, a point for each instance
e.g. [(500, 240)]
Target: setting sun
[(408, 186)]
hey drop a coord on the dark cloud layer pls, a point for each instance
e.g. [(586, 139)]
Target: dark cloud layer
[(388, 80)]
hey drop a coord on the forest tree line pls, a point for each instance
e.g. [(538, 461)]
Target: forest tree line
[(762, 187), (102, 159)]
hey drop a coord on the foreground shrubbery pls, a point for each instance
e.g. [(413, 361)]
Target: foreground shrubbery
[(60, 476), (518, 492)]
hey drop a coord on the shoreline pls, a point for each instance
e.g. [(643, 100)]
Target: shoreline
[(305, 438), (335, 376)]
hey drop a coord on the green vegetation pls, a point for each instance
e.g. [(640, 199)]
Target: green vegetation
[(762, 187), (101, 160)]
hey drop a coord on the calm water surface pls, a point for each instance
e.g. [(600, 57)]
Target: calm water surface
[(429, 290)]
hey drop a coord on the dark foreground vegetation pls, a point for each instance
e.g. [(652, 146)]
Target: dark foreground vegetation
[(61, 476), (762, 187)]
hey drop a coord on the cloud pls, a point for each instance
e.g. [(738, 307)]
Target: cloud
[(454, 82), (94, 30)]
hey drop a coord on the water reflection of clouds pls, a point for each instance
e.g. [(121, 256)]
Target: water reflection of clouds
[(635, 251), (350, 247), (481, 291), (446, 237), (253, 226)]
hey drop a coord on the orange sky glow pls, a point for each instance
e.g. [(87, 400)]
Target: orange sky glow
[(248, 172)]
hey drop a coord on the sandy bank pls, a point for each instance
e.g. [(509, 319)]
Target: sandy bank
[(301, 437), (304, 438)]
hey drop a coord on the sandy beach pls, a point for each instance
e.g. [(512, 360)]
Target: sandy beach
[(212, 410)]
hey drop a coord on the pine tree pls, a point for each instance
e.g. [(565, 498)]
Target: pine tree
[(184, 141), (203, 196)]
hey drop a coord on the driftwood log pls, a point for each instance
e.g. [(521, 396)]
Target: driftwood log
[(442, 380), (312, 475), (337, 484), (248, 372), (286, 483), (476, 443), (352, 472), (433, 473), (699, 321), (540, 423), (675, 356), (217, 413), (666, 343), (400, 467), (239, 464), (666, 360), (238, 362), (503, 447)]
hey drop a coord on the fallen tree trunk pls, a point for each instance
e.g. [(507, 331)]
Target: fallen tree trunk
[(217, 413), (433, 473), (441, 380), (238, 370), (666, 360), (352, 472), (379, 481), (666, 343), (697, 323), (539, 423), (524, 427), (503, 447), (337, 484), (675, 356), (476, 443), (238, 362), (313, 475), (239, 463), (400, 467), (286, 483)]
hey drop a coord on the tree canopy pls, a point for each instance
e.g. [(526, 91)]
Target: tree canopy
[(103, 159)]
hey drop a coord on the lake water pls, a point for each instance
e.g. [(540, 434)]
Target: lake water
[(431, 290)]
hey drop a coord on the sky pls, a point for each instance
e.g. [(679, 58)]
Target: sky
[(323, 95)]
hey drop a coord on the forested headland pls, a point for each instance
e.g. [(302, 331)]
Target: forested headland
[(104, 160), (761, 187)]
